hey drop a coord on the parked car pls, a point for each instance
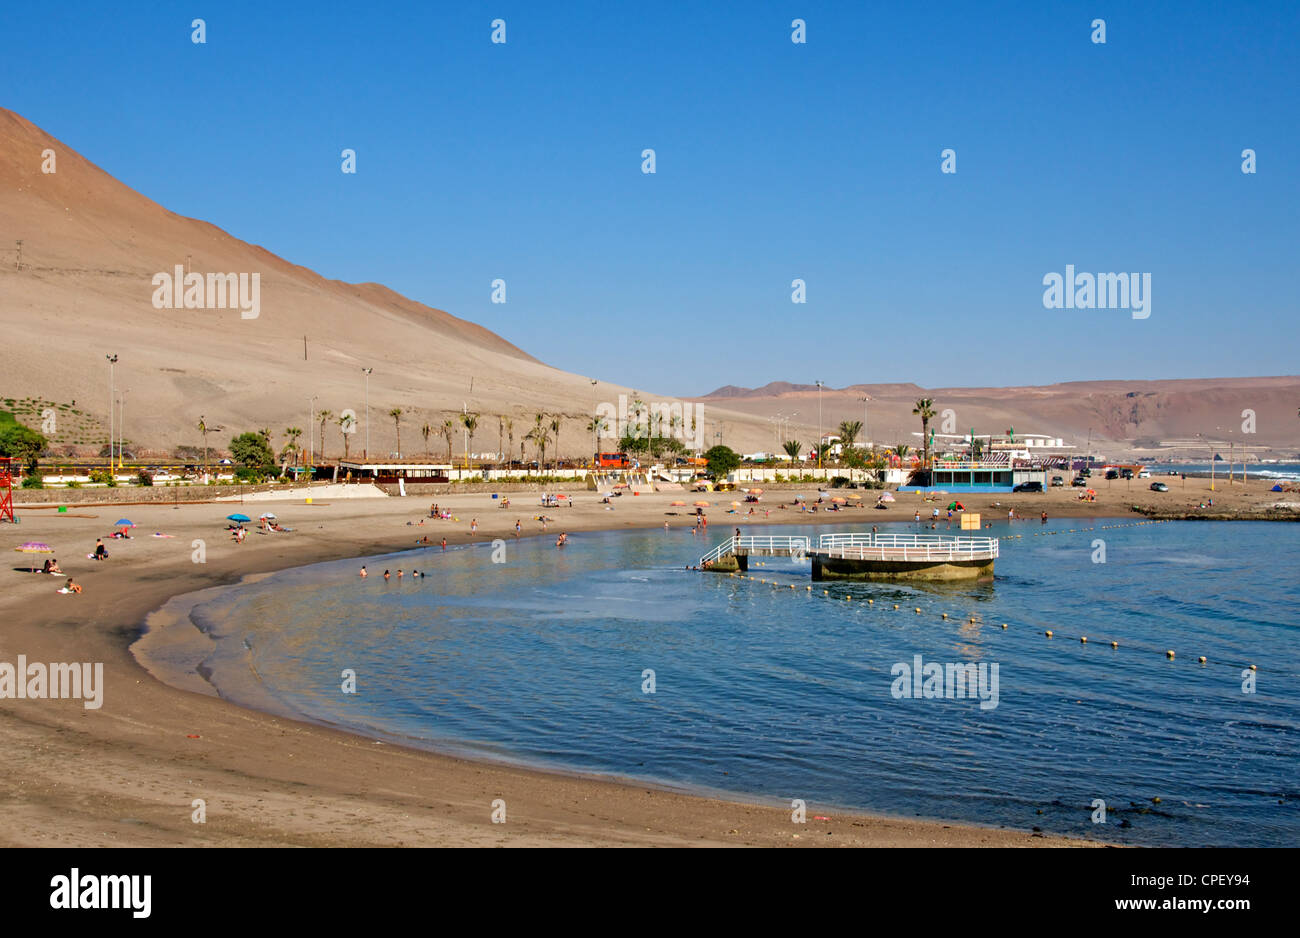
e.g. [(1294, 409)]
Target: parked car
[(1126, 473), (1112, 474), (1028, 487), (1159, 487), (1078, 481), (1057, 480), (1144, 474), (1086, 472)]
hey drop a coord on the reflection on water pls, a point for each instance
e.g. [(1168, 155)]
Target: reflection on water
[(780, 693)]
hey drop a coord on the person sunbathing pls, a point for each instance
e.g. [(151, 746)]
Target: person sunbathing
[(72, 587)]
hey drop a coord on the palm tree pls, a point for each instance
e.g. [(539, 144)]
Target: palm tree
[(848, 432), (291, 447), (396, 414), (324, 416), (447, 426), (501, 434), (203, 428), (925, 409), (555, 432), (510, 435), (792, 449), (470, 423), (346, 423), (539, 435), (425, 430), (596, 426), (901, 450)]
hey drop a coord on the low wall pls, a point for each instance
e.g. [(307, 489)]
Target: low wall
[(136, 494)]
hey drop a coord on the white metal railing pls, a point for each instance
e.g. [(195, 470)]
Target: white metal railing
[(796, 545), (936, 547)]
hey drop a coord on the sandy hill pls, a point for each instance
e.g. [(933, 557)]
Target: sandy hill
[(91, 247), (1121, 415)]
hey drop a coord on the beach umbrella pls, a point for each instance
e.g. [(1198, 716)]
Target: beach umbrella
[(241, 518), (735, 504), (34, 547), (838, 500), (267, 515), (701, 504), (755, 491), (855, 495), (887, 497), (124, 523), (677, 504)]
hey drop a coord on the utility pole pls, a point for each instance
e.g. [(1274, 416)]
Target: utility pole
[(121, 424), (112, 393), (311, 442), (366, 451), (865, 435)]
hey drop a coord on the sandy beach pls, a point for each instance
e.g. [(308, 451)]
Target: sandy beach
[(127, 774)]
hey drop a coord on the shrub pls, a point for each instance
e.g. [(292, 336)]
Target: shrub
[(144, 478), (102, 477), (33, 482)]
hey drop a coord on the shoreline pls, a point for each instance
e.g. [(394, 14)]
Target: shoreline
[(128, 773)]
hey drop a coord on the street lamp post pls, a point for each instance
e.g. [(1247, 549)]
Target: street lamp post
[(112, 390), (121, 424), (366, 451), (866, 436), (311, 441)]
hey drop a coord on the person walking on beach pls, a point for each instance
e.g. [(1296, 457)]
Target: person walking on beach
[(518, 528), (101, 552), (444, 543), (917, 517)]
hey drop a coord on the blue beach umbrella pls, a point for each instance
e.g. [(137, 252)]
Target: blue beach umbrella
[(241, 518), (123, 523)]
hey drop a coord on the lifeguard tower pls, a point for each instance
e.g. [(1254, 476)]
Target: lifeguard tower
[(7, 490)]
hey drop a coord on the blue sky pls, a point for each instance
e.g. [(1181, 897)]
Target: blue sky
[(775, 161)]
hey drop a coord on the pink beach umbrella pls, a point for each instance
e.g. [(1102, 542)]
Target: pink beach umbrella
[(34, 547)]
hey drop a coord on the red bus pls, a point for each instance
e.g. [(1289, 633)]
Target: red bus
[(613, 461)]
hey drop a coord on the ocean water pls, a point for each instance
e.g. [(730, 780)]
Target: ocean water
[(1277, 471), (775, 693)]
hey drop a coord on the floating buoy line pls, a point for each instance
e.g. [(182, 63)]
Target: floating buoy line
[(1170, 654)]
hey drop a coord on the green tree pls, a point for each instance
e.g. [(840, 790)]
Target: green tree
[(722, 460), (252, 450), (792, 449), (447, 426), (23, 443), (396, 414), (925, 410), (291, 447), (324, 416), (848, 432), (346, 423), (425, 430), (470, 423)]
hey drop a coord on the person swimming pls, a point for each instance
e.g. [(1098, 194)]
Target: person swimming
[(364, 573), (387, 575)]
